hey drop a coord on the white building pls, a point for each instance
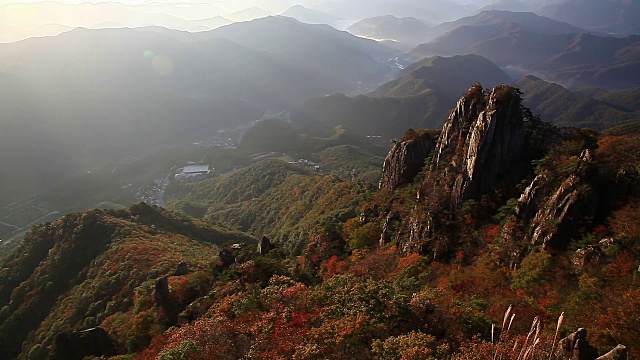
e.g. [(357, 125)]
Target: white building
[(193, 172)]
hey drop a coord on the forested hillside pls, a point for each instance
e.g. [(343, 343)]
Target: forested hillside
[(495, 222)]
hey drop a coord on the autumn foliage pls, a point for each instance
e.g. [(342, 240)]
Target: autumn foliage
[(329, 288)]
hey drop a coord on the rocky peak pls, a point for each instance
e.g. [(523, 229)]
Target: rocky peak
[(480, 141), (406, 159), (455, 128), (479, 144)]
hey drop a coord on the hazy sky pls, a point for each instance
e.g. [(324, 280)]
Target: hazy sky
[(226, 3), (231, 5)]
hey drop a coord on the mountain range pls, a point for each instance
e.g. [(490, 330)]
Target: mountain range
[(407, 30), (615, 16), (431, 12), (417, 98), (552, 52), (114, 92), (312, 16)]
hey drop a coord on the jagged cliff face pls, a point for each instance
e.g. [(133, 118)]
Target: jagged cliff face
[(406, 160), (552, 211), (561, 210), (481, 143), (485, 150)]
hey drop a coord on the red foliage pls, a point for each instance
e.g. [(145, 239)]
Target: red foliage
[(334, 267), (623, 264)]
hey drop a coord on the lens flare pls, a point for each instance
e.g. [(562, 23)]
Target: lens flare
[(162, 64)]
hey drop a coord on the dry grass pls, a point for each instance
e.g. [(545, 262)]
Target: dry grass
[(535, 345)]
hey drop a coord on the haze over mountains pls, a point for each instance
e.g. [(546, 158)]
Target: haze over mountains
[(614, 16), (112, 92), (525, 43), (166, 83)]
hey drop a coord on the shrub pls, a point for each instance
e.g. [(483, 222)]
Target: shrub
[(535, 269)]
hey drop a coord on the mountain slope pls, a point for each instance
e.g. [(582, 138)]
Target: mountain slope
[(574, 60), (407, 30), (73, 260), (418, 98), (628, 100), (555, 104), (614, 16), (448, 76), (288, 203), (352, 59)]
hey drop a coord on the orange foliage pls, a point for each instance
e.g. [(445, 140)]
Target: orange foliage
[(409, 260)]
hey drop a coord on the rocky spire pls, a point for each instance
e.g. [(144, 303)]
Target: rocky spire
[(406, 159), (482, 138), (481, 143)]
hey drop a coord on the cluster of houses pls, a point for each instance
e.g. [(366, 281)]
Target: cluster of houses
[(306, 163)]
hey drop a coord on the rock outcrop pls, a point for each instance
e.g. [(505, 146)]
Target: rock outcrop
[(582, 258), (618, 353), (161, 293), (577, 347), (480, 142), (264, 246), (182, 269), (556, 209), (80, 344), (405, 161), (388, 227)]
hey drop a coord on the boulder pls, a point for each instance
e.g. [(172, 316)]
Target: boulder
[(182, 269), (618, 353), (264, 246), (227, 258), (577, 347), (161, 293)]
